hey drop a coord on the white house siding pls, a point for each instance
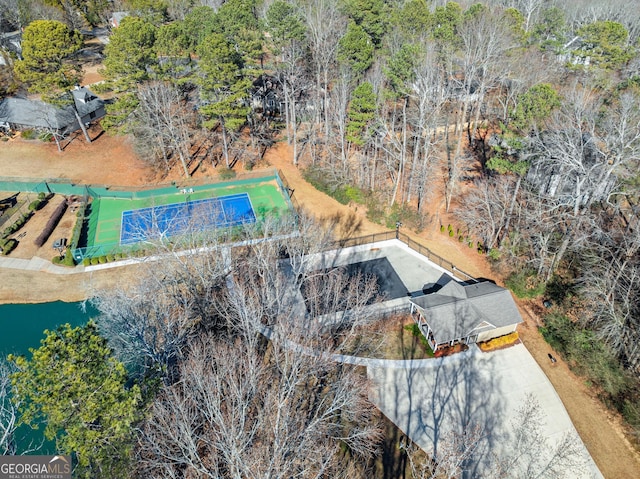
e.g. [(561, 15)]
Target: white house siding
[(495, 333)]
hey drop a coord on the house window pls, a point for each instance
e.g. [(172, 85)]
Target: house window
[(92, 115)]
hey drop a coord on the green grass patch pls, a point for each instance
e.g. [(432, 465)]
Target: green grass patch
[(405, 214), (525, 284), (227, 174), (342, 193), (414, 329), (588, 356), (28, 134)]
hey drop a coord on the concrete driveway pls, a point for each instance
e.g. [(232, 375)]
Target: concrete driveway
[(476, 390)]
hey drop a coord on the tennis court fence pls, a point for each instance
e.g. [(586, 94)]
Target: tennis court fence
[(287, 191), (66, 186), (89, 214)]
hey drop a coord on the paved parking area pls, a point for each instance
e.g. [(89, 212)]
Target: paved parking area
[(413, 269), (469, 390)]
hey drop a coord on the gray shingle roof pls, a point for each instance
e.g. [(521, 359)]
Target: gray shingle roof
[(86, 101), (459, 310), (38, 114)]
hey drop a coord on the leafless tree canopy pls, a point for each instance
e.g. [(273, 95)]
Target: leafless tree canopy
[(8, 411), (163, 125), (249, 387), (242, 412)]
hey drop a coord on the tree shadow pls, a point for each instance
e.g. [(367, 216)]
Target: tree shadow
[(444, 398), (346, 225), (392, 460)]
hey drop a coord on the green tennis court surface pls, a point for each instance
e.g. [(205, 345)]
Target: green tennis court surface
[(105, 219)]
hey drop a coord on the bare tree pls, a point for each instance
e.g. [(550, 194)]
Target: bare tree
[(619, 131), (454, 451), (428, 94), (215, 4), (485, 208), (570, 169), (274, 412), (528, 8), (339, 105), (8, 410), (485, 39), (611, 271), (524, 69), (293, 78), (325, 25), (534, 238), (395, 141), (533, 456), (149, 322), (19, 13), (610, 283), (147, 325), (9, 14), (162, 125), (178, 9), (287, 36), (296, 287)]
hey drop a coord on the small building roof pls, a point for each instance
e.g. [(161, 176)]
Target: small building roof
[(457, 310), (86, 101), (38, 114)]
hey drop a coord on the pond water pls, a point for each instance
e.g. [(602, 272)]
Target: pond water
[(22, 327)]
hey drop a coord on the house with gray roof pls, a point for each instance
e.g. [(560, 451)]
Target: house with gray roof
[(21, 113), (452, 312)]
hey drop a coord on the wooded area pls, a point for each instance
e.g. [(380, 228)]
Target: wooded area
[(521, 116)]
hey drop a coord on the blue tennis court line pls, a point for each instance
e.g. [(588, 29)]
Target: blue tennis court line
[(177, 218)]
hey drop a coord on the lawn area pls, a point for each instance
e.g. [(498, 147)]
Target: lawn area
[(392, 338)]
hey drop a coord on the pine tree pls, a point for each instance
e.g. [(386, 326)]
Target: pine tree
[(73, 384)]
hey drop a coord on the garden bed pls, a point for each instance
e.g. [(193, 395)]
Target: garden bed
[(499, 343), (448, 351)]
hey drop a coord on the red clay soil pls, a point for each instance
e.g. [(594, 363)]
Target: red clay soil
[(450, 350), (110, 160), (92, 75)]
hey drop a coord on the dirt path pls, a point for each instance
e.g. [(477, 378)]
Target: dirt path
[(18, 286), (325, 207), (600, 430), (111, 160)]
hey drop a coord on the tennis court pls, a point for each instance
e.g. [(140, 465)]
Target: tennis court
[(115, 221), (177, 218)]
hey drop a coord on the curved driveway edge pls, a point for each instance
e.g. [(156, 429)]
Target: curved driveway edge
[(428, 399), (473, 389)]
